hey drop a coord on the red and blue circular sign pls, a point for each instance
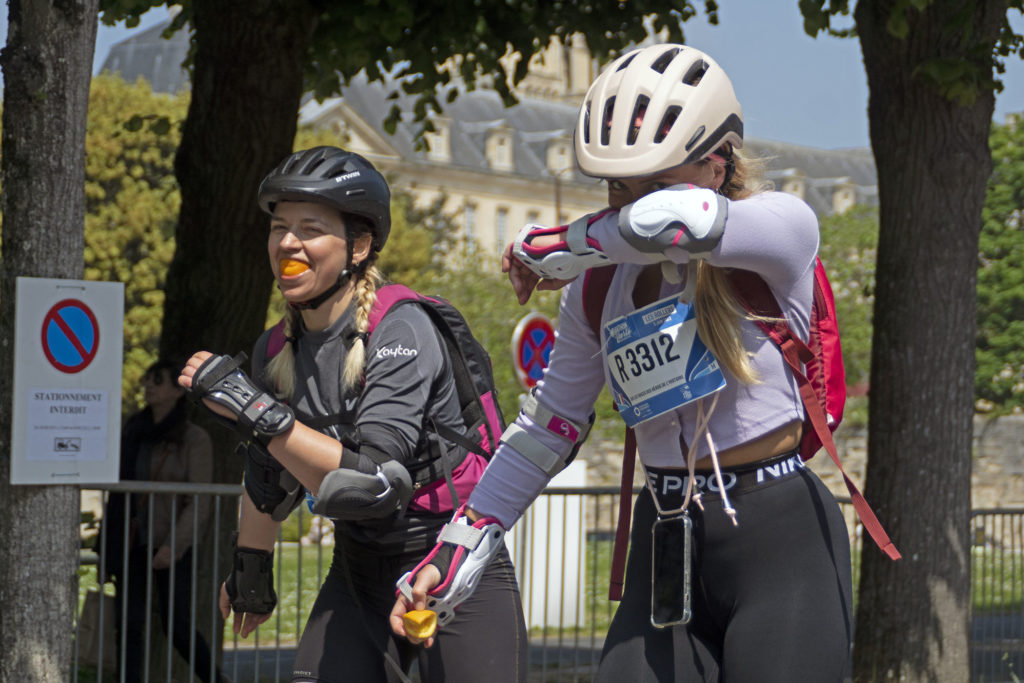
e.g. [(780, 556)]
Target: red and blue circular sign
[(71, 336), (532, 341)]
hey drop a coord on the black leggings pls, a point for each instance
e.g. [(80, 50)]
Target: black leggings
[(771, 597), (345, 637), (135, 628)]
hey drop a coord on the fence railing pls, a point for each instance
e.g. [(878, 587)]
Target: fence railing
[(562, 551)]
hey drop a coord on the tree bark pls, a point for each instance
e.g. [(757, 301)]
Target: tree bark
[(47, 65), (246, 90), (933, 162), (247, 84)]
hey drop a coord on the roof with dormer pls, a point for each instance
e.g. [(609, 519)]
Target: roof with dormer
[(533, 124)]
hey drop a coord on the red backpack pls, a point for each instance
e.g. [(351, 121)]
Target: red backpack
[(817, 364)]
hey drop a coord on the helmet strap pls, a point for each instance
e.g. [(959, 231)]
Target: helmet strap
[(343, 279), (323, 296)]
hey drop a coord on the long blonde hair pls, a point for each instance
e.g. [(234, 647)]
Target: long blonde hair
[(716, 307)]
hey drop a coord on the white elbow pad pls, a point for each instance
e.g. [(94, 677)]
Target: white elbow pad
[(551, 462), (685, 216), (564, 260)]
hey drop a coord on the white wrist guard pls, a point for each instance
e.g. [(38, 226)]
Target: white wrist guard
[(463, 551), (564, 260), (687, 217)]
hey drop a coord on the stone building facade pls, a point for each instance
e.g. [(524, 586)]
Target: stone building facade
[(500, 168)]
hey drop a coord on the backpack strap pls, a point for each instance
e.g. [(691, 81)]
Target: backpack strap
[(596, 283), (625, 513), (276, 340), (756, 296)]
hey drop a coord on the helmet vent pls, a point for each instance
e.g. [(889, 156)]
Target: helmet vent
[(695, 73), (637, 119), (698, 134), (627, 61), (607, 127), (662, 62), (671, 114), (586, 123)]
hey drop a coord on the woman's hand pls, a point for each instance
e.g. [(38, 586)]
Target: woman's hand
[(426, 580), (525, 281), (162, 558), (244, 622), (185, 380)]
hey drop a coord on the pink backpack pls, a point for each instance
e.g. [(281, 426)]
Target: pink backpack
[(481, 416), (817, 364)]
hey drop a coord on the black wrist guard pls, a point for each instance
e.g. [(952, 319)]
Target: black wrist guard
[(250, 585), (259, 416)]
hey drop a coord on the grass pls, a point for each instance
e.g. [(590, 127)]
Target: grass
[(291, 562), (997, 580), (997, 587)]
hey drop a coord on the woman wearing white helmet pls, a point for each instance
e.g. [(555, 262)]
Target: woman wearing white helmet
[(761, 591)]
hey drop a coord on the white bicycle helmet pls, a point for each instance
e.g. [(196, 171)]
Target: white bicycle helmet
[(655, 108)]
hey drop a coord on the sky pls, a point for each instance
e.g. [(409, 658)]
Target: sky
[(793, 88)]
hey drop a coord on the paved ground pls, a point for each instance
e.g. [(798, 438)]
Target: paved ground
[(997, 656)]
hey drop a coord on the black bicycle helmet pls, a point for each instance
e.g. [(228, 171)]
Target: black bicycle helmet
[(333, 176)]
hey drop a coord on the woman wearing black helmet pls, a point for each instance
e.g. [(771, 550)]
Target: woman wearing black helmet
[(343, 413), (739, 563)]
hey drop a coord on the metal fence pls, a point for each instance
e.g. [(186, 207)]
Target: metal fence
[(562, 551)]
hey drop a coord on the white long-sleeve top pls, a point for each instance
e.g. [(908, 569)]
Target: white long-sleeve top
[(772, 234)]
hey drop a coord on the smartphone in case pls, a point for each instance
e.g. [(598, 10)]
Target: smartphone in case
[(671, 550)]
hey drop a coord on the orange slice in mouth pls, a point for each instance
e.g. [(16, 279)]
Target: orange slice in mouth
[(290, 268)]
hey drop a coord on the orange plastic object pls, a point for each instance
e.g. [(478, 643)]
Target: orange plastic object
[(290, 267), (420, 623)]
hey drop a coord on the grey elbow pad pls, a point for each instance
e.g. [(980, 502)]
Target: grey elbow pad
[(350, 494)]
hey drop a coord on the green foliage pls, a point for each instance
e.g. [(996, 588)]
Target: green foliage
[(426, 45), (420, 242), (484, 297), (848, 248), (960, 75), (999, 376), (132, 203), (818, 17)]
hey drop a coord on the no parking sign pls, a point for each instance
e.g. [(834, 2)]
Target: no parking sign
[(532, 341), (67, 381), (71, 335)]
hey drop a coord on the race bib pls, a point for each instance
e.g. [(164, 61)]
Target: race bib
[(656, 361)]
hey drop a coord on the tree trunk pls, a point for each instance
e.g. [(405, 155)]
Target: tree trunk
[(247, 84), (933, 162), (246, 88), (46, 64)]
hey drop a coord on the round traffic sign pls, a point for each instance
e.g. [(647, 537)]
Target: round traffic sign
[(532, 341), (71, 336)]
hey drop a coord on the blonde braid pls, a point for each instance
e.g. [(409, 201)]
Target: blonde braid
[(366, 295), (281, 368)]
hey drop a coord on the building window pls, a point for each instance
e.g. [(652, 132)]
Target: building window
[(501, 226), (533, 216), (439, 141), (498, 150), (469, 222)]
